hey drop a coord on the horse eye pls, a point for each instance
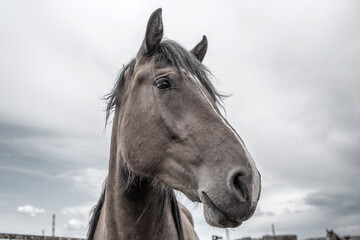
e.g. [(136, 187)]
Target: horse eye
[(163, 84)]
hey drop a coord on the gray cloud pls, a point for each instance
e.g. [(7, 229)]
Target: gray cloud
[(11, 132), (339, 203), (260, 213)]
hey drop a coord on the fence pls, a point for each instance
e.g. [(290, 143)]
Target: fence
[(33, 237)]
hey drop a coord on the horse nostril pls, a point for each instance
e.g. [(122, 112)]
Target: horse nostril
[(238, 185), (239, 182)]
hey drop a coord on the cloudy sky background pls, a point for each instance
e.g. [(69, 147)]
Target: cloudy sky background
[(292, 67)]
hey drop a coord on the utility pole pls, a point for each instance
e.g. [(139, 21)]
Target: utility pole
[(53, 225), (227, 234), (273, 230)]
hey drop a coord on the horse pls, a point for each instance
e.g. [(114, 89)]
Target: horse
[(169, 134), (331, 235)]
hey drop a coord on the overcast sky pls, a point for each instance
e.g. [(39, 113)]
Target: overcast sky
[(292, 67)]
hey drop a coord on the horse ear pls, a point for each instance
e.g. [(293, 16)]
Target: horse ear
[(200, 49), (154, 34)]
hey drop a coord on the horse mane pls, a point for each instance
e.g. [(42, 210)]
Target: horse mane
[(182, 60), (175, 210), (176, 56), (95, 214), (337, 236), (331, 234)]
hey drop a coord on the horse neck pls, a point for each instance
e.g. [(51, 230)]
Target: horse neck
[(136, 210), (334, 236), (337, 237)]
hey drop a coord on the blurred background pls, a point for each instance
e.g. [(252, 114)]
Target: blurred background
[(292, 69)]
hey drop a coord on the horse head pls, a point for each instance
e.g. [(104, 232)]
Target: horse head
[(169, 128)]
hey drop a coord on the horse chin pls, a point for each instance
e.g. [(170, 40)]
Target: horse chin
[(215, 217)]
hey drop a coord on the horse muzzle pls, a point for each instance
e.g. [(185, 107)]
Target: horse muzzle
[(228, 205)]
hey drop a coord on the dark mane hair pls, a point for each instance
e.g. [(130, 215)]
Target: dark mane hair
[(184, 62), (95, 214), (176, 56)]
